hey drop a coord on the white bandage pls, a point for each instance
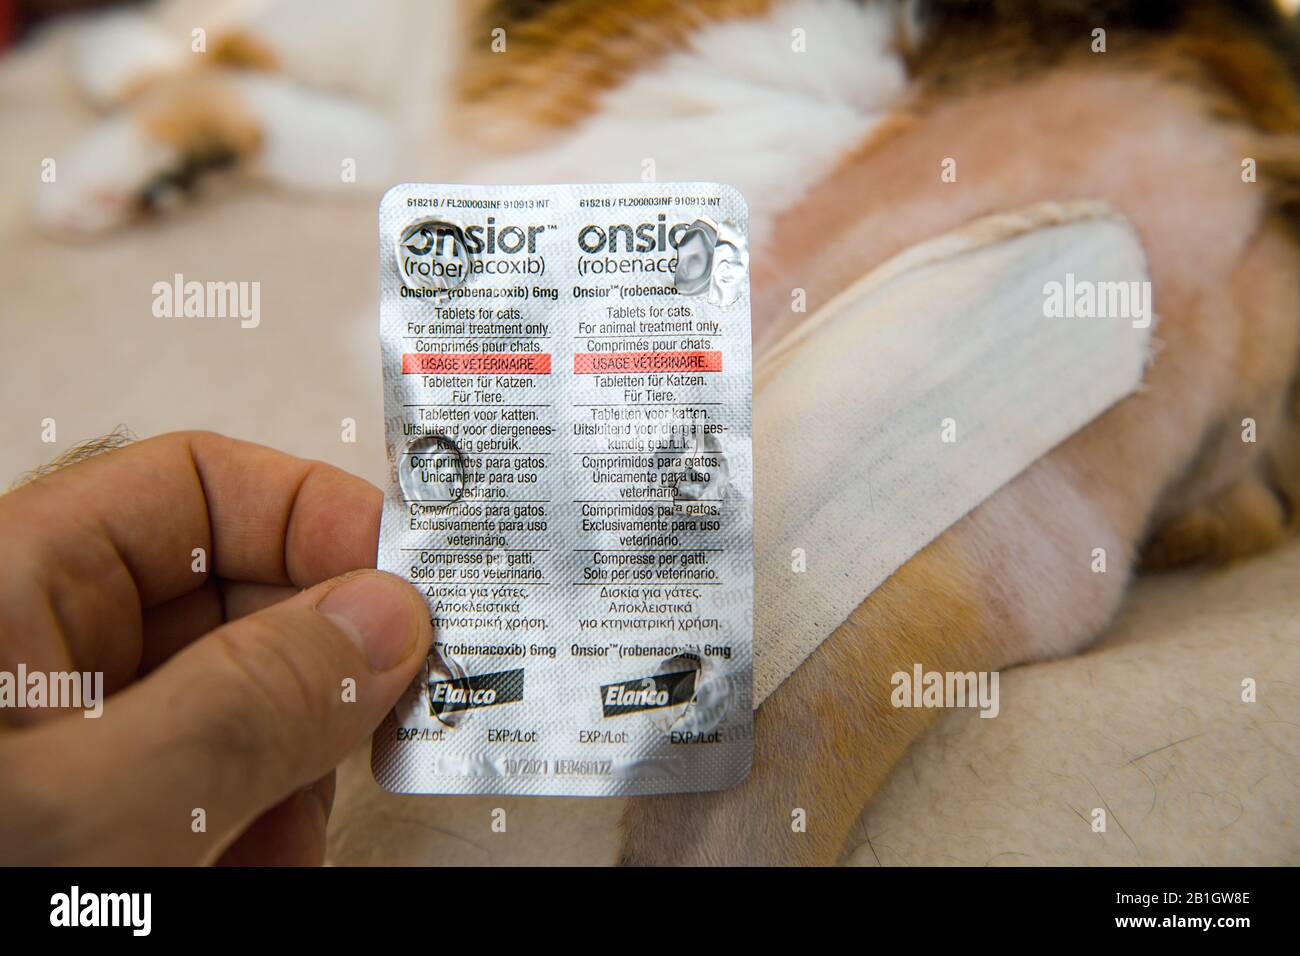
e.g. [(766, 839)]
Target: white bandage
[(852, 469)]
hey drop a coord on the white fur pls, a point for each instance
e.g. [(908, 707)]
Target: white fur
[(110, 54), (308, 136), (385, 54), (98, 181)]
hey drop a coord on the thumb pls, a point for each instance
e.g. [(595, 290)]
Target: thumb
[(248, 714)]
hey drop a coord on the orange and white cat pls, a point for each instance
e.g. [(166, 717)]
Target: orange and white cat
[(833, 117)]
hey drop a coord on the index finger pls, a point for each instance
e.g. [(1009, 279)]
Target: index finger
[(136, 515)]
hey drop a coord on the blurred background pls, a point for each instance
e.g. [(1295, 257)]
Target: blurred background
[(79, 343)]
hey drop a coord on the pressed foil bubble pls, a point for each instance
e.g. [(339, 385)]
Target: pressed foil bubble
[(431, 470)]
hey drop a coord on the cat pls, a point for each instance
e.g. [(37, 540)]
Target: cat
[(838, 146)]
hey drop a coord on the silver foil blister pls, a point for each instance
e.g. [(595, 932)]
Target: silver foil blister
[(568, 421)]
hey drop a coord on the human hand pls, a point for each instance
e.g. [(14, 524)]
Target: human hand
[(228, 684)]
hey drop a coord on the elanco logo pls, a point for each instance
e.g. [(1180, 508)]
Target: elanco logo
[(478, 690), (648, 693)]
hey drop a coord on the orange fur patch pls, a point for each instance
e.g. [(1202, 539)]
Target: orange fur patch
[(201, 113), (244, 51), (559, 61), (831, 734)]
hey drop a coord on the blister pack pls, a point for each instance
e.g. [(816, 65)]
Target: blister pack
[(567, 395)]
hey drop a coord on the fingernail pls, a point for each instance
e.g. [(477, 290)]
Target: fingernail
[(375, 611)]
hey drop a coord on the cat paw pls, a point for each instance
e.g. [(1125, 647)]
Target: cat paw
[(104, 181)]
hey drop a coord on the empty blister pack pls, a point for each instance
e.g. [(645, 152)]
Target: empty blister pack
[(567, 395)]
